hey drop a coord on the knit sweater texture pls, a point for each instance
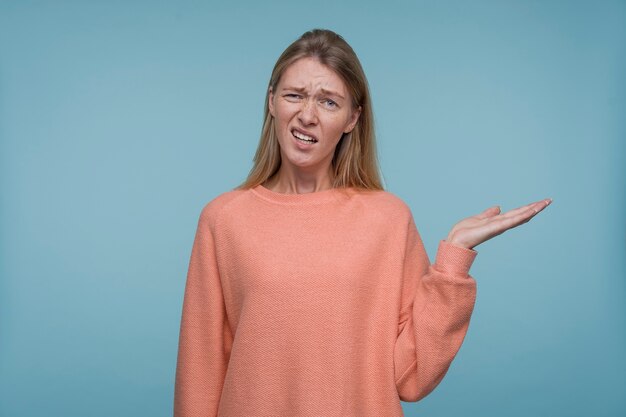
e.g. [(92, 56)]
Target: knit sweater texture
[(316, 304)]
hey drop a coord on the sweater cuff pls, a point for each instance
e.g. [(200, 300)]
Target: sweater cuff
[(454, 259)]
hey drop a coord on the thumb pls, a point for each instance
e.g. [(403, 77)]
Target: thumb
[(490, 212)]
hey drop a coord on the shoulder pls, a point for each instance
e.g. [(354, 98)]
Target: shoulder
[(212, 209), (386, 202)]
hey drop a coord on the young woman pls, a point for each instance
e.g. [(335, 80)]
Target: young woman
[(309, 291)]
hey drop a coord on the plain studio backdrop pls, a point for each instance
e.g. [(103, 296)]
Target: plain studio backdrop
[(119, 120)]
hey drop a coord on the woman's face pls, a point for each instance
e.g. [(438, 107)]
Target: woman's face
[(311, 100)]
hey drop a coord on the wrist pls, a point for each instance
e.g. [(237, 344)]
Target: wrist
[(450, 239), (454, 259)]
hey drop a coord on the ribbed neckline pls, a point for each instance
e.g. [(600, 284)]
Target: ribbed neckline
[(331, 194)]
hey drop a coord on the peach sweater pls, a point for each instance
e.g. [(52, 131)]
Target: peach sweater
[(321, 304)]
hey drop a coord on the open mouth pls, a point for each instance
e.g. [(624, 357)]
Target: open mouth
[(302, 137)]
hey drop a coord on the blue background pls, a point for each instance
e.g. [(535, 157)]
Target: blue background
[(119, 120)]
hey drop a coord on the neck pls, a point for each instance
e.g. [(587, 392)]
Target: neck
[(298, 183)]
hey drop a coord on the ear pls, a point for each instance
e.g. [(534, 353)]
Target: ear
[(353, 119), (271, 101)]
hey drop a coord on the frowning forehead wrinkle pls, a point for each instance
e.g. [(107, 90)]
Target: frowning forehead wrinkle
[(323, 90)]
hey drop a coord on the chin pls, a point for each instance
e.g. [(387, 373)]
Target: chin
[(299, 162)]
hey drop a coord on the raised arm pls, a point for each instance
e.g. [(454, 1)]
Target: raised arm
[(438, 299), (437, 302)]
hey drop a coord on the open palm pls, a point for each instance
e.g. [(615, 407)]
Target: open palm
[(477, 229)]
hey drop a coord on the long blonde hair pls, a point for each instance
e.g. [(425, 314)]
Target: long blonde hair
[(355, 161)]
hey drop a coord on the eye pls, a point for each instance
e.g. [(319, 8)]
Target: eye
[(292, 95), (330, 103)]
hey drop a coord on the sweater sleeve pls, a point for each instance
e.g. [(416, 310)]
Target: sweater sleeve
[(437, 302), (205, 338)]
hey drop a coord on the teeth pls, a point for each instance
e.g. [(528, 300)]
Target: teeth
[(303, 137)]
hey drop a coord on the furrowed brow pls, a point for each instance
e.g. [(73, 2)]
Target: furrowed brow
[(323, 90), (332, 93), (298, 89)]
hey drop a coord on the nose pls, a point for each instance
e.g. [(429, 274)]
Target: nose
[(308, 112)]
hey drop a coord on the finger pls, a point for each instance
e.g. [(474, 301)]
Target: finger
[(540, 206), (537, 206), (501, 224)]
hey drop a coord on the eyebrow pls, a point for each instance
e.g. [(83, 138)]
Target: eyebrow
[(323, 90)]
